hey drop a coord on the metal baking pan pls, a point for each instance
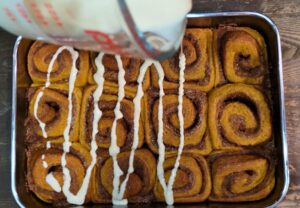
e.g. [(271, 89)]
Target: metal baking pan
[(250, 19)]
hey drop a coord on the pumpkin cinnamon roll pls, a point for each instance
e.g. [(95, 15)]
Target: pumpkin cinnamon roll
[(38, 60), (132, 70), (45, 175), (199, 71), (238, 116), (139, 185), (240, 55), (241, 176), (192, 182), (107, 103), (194, 113), (52, 110)]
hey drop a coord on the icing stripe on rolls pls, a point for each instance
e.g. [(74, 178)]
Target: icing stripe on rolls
[(51, 180), (136, 120), (36, 105), (79, 198), (161, 146), (181, 125), (45, 164), (168, 187), (48, 144), (47, 84), (114, 149)]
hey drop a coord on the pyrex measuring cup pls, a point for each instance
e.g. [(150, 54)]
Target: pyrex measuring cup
[(141, 28)]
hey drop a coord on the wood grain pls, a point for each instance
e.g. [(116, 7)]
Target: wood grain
[(6, 49), (285, 13)]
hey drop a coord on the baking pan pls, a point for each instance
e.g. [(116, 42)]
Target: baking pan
[(254, 20)]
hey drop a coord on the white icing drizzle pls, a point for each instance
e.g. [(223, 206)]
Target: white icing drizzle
[(168, 188), (71, 198), (79, 198), (41, 93), (118, 191), (136, 120), (161, 146), (72, 80), (114, 149), (36, 105), (45, 164), (51, 180), (48, 144), (181, 124)]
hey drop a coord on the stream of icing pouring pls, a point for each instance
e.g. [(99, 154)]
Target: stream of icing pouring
[(168, 188)]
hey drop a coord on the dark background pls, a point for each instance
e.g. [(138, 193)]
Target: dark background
[(285, 13)]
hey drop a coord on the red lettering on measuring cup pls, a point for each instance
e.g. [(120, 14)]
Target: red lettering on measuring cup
[(53, 14), (9, 14), (38, 14), (23, 13), (105, 41)]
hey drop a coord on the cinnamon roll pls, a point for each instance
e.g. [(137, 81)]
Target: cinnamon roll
[(240, 55), (38, 60), (239, 116), (139, 185), (43, 163), (192, 182), (52, 110), (194, 113), (199, 70), (241, 175)]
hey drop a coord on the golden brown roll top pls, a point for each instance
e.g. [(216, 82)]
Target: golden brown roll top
[(240, 55), (42, 161), (192, 182), (107, 104), (239, 116), (130, 65), (199, 69), (194, 114), (241, 176), (52, 110), (139, 185), (39, 57)]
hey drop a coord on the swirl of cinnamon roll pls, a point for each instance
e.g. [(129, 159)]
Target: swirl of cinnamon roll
[(199, 70), (194, 114), (241, 176), (240, 54), (239, 116), (39, 57)]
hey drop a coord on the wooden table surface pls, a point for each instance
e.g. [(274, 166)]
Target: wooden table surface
[(285, 13)]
